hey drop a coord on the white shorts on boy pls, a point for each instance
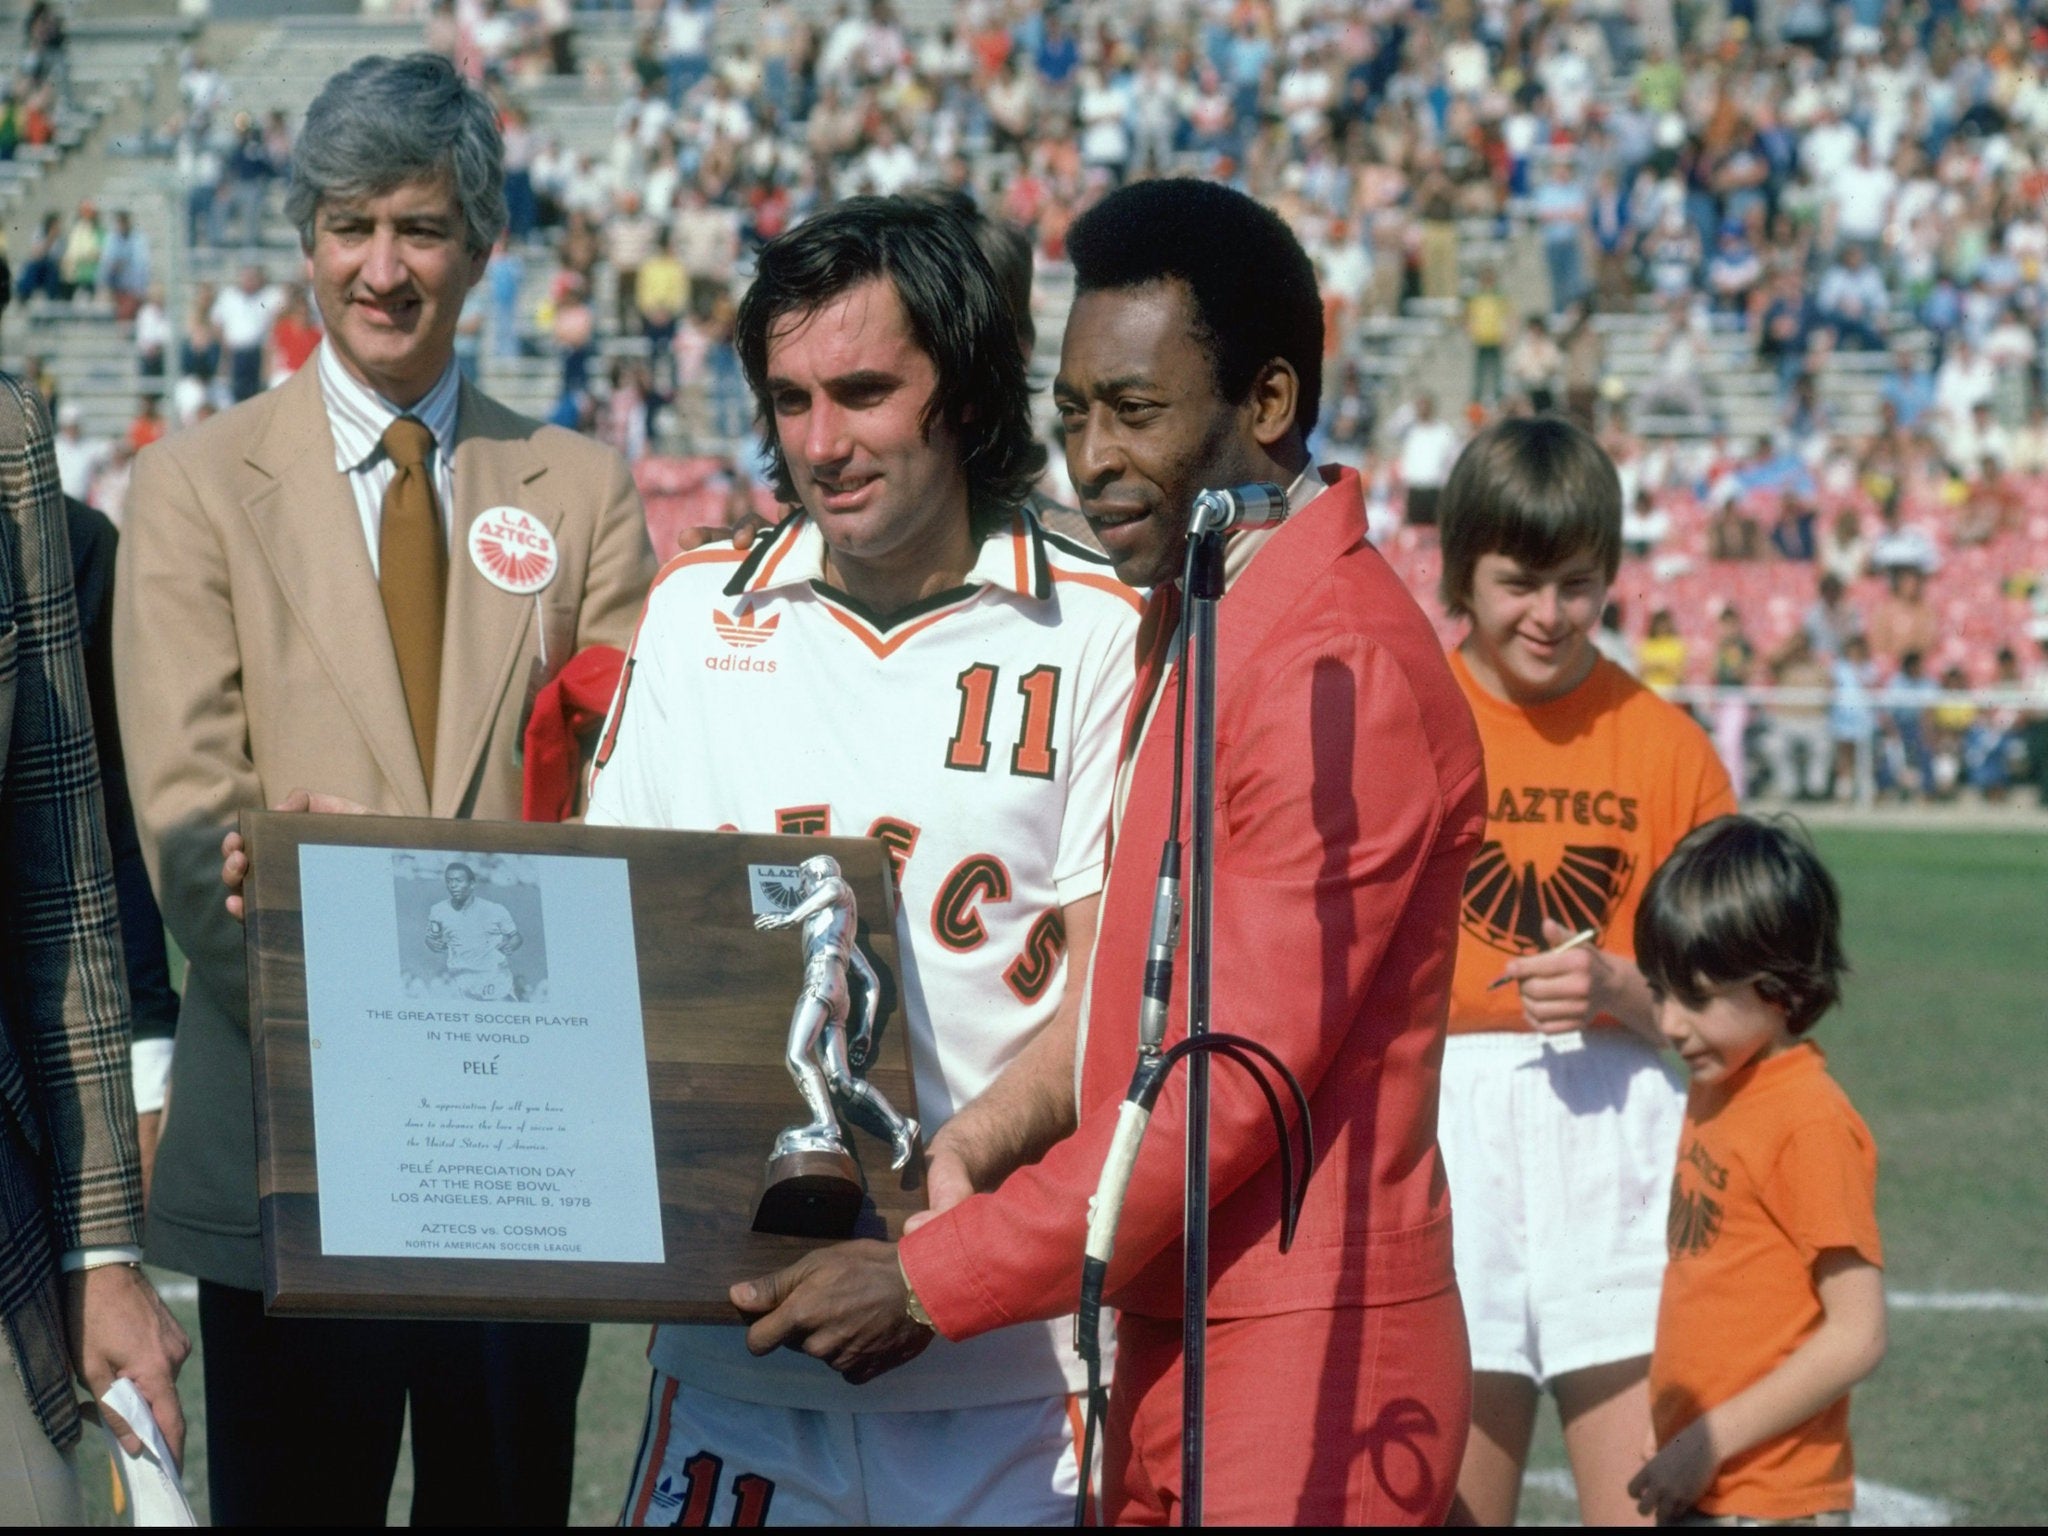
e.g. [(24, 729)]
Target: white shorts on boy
[(1559, 1151), (707, 1460)]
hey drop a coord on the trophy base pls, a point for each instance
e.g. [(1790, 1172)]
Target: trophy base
[(810, 1194)]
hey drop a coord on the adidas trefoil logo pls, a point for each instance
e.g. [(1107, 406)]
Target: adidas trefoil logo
[(743, 633)]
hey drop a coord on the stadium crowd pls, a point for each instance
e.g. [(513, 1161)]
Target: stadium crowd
[(1856, 184), (1845, 607)]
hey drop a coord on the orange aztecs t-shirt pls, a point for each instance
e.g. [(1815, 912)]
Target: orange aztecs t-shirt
[(1774, 1167), (1587, 795)]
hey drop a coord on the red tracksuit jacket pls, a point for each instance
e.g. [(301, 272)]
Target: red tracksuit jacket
[(1351, 796)]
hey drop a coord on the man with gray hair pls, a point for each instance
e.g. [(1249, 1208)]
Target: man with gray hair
[(301, 607)]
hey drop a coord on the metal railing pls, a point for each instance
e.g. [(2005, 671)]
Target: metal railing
[(1711, 698)]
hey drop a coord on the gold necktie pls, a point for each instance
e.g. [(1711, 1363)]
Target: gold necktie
[(412, 573)]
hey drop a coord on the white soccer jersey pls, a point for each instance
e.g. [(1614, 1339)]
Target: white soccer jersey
[(976, 734)]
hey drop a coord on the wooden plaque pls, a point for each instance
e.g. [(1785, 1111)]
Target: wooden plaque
[(716, 998)]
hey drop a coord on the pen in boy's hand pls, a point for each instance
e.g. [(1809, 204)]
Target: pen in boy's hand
[(1583, 936)]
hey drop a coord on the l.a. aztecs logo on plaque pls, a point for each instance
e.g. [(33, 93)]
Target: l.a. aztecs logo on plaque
[(514, 550), (774, 887), (1505, 907)]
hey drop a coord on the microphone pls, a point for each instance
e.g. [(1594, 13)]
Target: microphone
[(1165, 939), (1238, 506)]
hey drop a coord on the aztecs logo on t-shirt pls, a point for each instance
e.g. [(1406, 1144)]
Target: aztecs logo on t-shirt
[(1505, 906), (1694, 1221), (1578, 885)]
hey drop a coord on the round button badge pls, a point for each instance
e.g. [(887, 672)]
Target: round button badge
[(514, 550)]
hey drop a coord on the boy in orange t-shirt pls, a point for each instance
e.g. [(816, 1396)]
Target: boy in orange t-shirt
[(1773, 1302), (1558, 1114)]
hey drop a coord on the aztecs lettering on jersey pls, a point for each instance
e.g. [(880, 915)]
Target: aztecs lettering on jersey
[(1565, 807), (1032, 972), (1505, 906), (804, 820), (978, 877), (1694, 1221), (900, 839), (955, 921)]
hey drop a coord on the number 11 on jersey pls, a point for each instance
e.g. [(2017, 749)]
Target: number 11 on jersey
[(1034, 755)]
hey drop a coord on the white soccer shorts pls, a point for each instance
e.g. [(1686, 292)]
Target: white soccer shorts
[(711, 1460), (1560, 1151)]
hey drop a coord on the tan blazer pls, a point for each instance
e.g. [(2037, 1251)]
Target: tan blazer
[(255, 659)]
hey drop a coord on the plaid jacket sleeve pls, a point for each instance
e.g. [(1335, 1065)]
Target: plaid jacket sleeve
[(64, 1061)]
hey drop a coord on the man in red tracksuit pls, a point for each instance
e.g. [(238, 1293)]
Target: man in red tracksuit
[(1350, 799)]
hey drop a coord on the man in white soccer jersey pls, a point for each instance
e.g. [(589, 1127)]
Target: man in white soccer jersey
[(911, 657), (474, 937)]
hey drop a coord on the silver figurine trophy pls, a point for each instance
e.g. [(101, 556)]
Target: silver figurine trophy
[(813, 1186)]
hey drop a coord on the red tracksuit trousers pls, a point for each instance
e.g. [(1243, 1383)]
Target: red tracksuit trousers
[(1348, 1416)]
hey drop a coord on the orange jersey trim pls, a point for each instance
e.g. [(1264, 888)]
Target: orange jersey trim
[(655, 1452), (700, 557), (1107, 584), (766, 574), (616, 713), (882, 648)]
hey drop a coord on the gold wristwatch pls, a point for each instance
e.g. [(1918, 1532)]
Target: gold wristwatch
[(912, 1307)]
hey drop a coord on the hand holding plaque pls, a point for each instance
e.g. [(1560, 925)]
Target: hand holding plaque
[(813, 1185)]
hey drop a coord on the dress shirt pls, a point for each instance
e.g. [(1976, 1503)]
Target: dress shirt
[(359, 416)]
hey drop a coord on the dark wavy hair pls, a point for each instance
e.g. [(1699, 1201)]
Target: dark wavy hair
[(1744, 900), (1007, 248), (1252, 285), (958, 318)]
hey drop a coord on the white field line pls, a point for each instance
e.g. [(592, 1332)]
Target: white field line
[(1876, 1503), (1966, 1301)]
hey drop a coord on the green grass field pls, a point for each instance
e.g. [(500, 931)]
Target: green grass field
[(1943, 1044)]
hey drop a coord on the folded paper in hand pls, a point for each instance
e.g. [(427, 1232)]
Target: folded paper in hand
[(155, 1496)]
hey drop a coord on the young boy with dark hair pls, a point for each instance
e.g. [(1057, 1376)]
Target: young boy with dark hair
[(1558, 1113), (1773, 1304)]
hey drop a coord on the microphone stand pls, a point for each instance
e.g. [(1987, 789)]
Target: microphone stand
[(1204, 591)]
